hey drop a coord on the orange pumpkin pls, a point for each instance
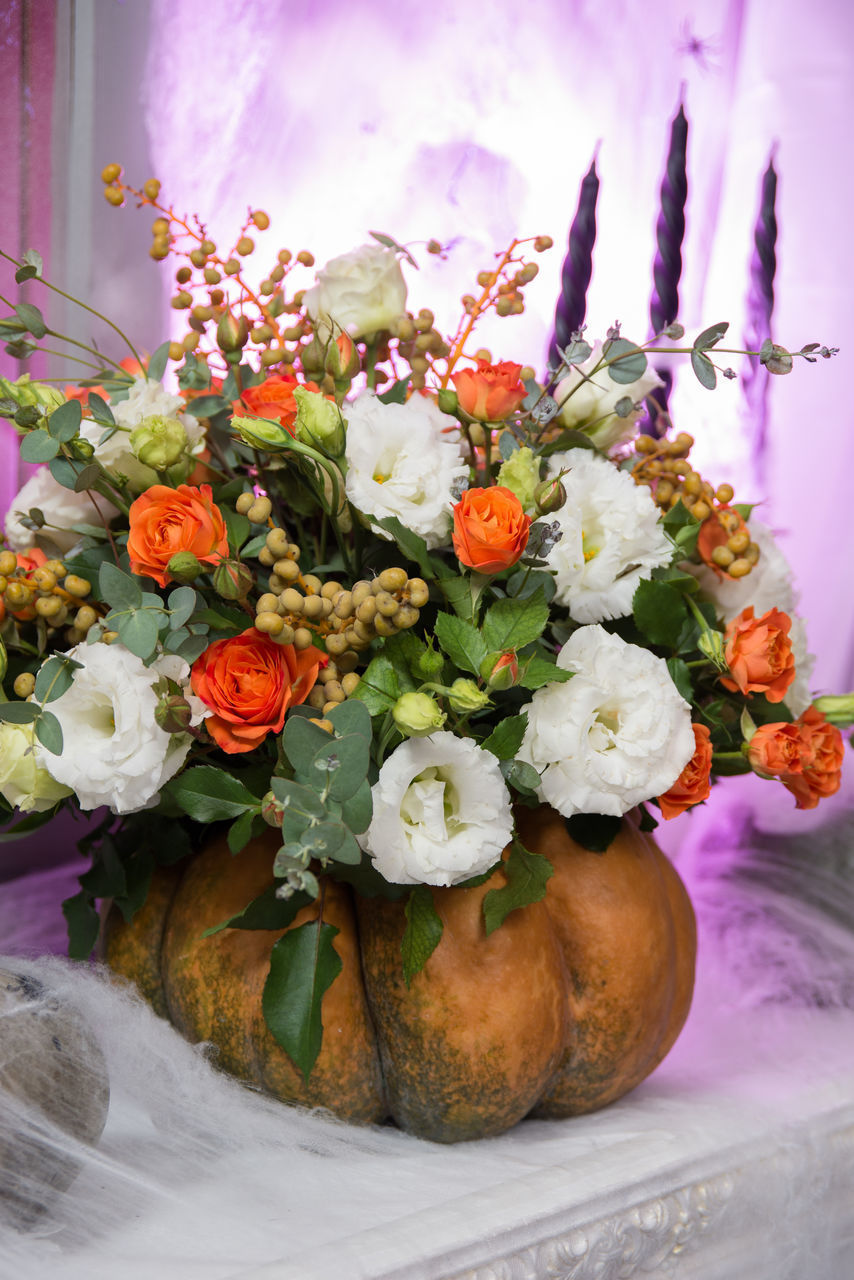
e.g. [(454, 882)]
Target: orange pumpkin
[(564, 1008)]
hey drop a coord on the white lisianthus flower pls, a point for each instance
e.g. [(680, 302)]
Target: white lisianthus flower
[(146, 399), (23, 782), (61, 508), (769, 585), (115, 753), (592, 404), (441, 812), (360, 292), (612, 537), (400, 463), (614, 735)]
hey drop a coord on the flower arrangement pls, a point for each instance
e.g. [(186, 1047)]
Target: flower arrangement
[(356, 581)]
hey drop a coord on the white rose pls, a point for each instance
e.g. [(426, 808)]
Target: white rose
[(612, 537), (614, 735), (115, 753), (145, 399), (594, 399), (62, 508), (22, 782), (400, 463), (360, 292), (441, 812)]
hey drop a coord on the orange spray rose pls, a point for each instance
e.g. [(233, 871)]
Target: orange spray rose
[(759, 654), (164, 521), (490, 529), (694, 782), (249, 682), (491, 392), (806, 756)]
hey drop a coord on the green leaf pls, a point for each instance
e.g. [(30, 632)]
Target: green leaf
[(423, 932), (303, 966), (181, 602), (38, 446), (138, 631), (157, 363), (351, 717), (536, 672), (681, 677), (120, 590), (64, 422), (32, 318), (241, 831), (207, 406), (413, 547), (345, 761), (511, 624), (710, 336), (101, 411), (84, 925), (506, 739), (27, 825), (87, 478), (647, 822), (19, 712), (379, 688), (267, 911), (25, 273), (396, 393), (704, 369), (358, 810), (302, 740), (49, 733), (631, 363), (367, 881), (54, 678), (238, 527), (527, 874), (32, 258), (458, 593), (209, 794), (593, 831), (462, 642), (659, 612), (222, 619), (521, 775)]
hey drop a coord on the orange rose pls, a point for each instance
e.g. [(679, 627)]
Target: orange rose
[(491, 392), (694, 782), (806, 756), (249, 682), (164, 521), (490, 529), (82, 394), (759, 654), (273, 398)]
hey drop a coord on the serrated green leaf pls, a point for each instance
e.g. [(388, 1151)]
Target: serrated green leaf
[(379, 688), (303, 966), (120, 590), (27, 825), (237, 526), (84, 925), (396, 393), (423, 932), (593, 831), (49, 733), (660, 612), (537, 672), (157, 363), (461, 641), (64, 422), (458, 593), (527, 875), (264, 912), (629, 361), (208, 794), (511, 624), (38, 446), (31, 318), (506, 739), (681, 677), (704, 369)]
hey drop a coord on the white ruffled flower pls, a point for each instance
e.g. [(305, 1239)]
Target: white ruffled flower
[(401, 464), (61, 508), (769, 585), (612, 537), (360, 292), (145, 399), (614, 735), (115, 753), (441, 812), (594, 399)]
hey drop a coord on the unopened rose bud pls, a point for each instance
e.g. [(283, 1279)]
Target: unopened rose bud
[(500, 670), (342, 358), (272, 810), (417, 715), (464, 696), (183, 567), (318, 422), (260, 433), (233, 580), (711, 645), (836, 708), (159, 442), (550, 496), (232, 332), (173, 713), (448, 401)]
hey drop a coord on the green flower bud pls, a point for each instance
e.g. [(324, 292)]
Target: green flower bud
[(549, 496), (183, 567), (233, 580), (342, 358), (417, 715), (232, 333), (261, 433), (159, 442), (464, 696), (80, 449), (711, 645), (836, 708), (173, 713), (521, 475), (430, 664), (449, 402), (318, 422)]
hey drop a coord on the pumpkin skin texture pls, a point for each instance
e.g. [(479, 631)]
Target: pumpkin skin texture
[(627, 932), (470, 1045)]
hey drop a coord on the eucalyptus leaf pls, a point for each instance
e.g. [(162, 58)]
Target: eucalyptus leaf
[(138, 631), (157, 363), (629, 362), (119, 589), (64, 422), (704, 369), (49, 733), (38, 446), (709, 337), (31, 318)]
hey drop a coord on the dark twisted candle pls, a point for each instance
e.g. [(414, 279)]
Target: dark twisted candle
[(669, 233), (577, 267), (760, 306)]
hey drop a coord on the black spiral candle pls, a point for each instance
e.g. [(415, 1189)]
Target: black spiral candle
[(577, 267), (669, 234), (760, 306)]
